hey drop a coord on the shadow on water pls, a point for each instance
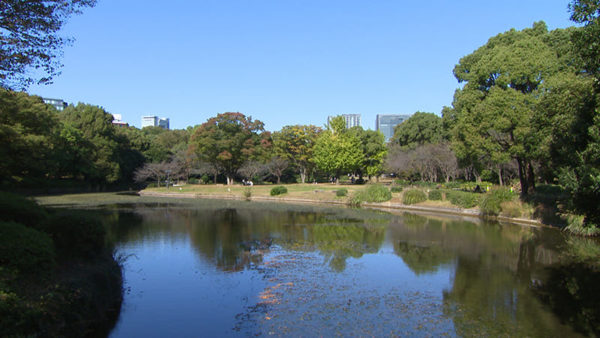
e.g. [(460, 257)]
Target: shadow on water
[(572, 288)]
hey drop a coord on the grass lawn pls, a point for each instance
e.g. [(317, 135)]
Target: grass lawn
[(321, 191)]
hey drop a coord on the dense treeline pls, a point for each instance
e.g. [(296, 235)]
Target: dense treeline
[(527, 112)]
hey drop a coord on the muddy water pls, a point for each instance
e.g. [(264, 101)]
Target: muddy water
[(227, 268)]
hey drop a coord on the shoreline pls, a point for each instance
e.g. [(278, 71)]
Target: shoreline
[(382, 206)]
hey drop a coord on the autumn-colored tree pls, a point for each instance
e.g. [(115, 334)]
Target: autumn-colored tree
[(230, 139), (296, 144)]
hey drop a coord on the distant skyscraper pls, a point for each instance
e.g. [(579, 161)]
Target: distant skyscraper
[(387, 123), (155, 121), (352, 120), (56, 103)]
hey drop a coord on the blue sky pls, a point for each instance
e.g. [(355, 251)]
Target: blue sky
[(280, 61)]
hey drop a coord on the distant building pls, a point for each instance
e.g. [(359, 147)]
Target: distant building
[(352, 120), (155, 121), (387, 123), (118, 121), (56, 103)]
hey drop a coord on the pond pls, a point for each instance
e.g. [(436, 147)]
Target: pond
[(233, 268)]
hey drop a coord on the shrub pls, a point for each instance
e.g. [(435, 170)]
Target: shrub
[(247, 193), (357, 199), (205, 179), (492, 201), (435, 195), (16, 208), (24, 249), (463, 199), (396, 189), (193, 180), (413, 196), (341, 192), (511, 209), (278, 190), (75, 234), (576, 226), (377, 193)]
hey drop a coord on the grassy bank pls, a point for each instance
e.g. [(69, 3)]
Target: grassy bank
[(490, 202), (57, 275)]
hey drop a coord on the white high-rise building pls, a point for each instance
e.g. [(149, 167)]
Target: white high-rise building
[(155, 121), (352, 120)]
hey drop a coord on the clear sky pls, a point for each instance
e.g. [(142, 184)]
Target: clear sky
[(280, 61)]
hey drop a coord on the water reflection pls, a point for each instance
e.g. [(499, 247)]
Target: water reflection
[(386, 274)]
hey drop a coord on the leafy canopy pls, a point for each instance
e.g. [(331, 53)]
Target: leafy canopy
[(29, 39)]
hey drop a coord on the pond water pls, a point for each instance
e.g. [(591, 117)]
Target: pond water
[(232, 268)]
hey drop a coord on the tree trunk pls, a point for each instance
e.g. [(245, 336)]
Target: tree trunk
[(229, 180), (278, 179), (530, 177), (500, 176), (522, 178), (215, 178), (303, 175)]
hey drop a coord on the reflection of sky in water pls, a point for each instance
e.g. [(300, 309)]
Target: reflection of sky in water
[(171, 293), (242, 270)]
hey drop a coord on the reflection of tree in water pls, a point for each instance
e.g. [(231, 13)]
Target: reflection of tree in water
[(492, 294), (422, 258), (495, 267), (339, 242), (572, 288), (233, 238)]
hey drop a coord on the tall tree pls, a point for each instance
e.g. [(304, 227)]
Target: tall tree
[(373, 150), (95, 126), (29, 134), (494, 110), (337, 151), (230, 139), (582, 175), (29, 39), (296, 144), (421, 128)]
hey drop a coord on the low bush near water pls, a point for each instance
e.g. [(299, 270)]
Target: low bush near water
[(278, 190), (25, 250), (491, 203), (435, 195), (341, 192), (375, 193), (413, 196), (463, 199)]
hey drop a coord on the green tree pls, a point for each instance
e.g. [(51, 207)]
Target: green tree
[(582, 174), (29, 39), (230, 139), (337, 151), (29, 134), (494, 111), (102, 146), (296, 144), (373, 150), (421, 128)]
